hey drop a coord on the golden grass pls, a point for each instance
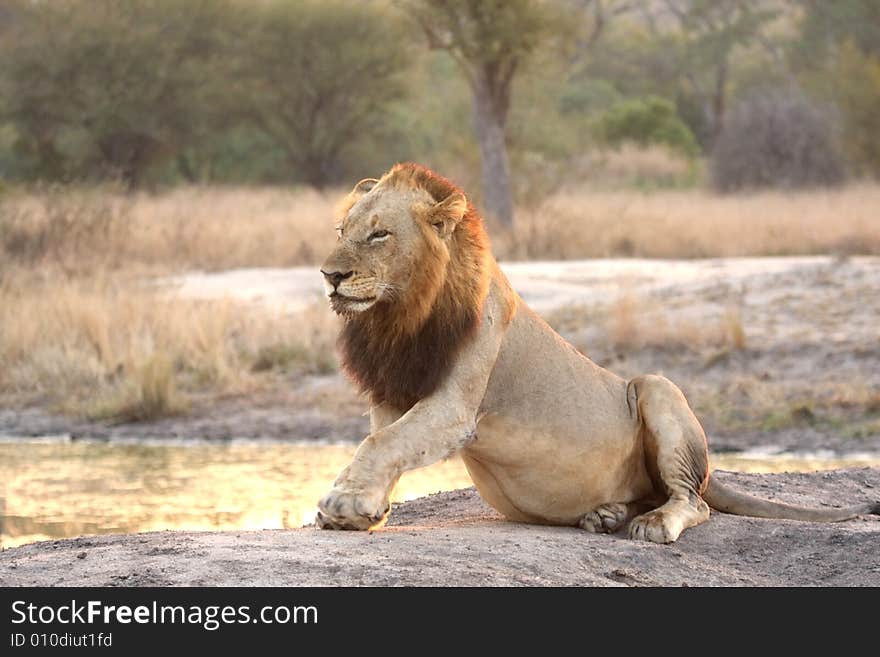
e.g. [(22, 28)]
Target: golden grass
[(210, 228), (83, 328), (696, 224), (747, 403), (108, 347), (627, 330), (632, 164), (82, 230), (631, 323), (221, 228)]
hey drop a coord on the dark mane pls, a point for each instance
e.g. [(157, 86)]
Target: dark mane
[(388, 355)]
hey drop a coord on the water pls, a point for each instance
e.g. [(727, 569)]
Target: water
[(59, 489)]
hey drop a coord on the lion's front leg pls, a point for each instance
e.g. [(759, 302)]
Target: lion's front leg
[(349, 506), (435, 428), (353, 506), (360, 496)]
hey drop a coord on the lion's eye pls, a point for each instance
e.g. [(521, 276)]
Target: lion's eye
[(377, 235)]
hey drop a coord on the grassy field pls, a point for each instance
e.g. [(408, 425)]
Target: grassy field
[(86, 331)]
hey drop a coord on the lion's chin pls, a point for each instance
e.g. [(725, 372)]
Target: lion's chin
[(348, 306)]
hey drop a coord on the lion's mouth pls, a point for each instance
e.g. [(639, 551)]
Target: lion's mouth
[(346, 305), (347, 299)]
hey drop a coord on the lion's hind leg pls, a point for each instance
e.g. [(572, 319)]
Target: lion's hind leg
[(676, 458), (608, 518)]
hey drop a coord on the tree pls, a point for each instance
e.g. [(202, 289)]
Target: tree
[(490, 40), (108, 86), (321, 75), (855, 90), (709, 32), (826, 23), (838, 58)]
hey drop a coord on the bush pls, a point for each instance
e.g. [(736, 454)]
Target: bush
[(777, 140), (649, 121)]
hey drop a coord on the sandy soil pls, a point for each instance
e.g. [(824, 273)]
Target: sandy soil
[(454, 539), (807, 378)]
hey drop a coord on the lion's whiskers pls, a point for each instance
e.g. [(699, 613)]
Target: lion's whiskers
[(389, 291)]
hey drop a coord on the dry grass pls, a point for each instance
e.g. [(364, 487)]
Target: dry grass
[(748, 403), (81, 328), (696, 224), (219, 228), (632, 325), (634, 165), (107, 347), (730, 389), (82, 230)]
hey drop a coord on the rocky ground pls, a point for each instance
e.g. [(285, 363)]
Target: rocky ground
[(454, 539)]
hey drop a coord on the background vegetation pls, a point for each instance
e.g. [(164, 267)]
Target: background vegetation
[(143, 138), (162, 92)]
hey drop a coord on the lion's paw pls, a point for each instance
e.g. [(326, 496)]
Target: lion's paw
[(655, 526), (341, 509), (604, 519)]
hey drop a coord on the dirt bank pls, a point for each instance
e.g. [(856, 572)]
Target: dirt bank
[(455, 539)]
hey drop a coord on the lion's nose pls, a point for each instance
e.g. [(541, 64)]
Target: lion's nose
[(336, 277)]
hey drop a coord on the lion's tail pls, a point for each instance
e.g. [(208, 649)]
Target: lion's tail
[(722, 498)]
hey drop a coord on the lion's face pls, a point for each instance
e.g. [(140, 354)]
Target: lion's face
[(391, 242)]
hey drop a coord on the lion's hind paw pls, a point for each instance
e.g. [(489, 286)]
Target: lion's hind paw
[(604, 519)]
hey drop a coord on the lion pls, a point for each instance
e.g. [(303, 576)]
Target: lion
[(454, 361)]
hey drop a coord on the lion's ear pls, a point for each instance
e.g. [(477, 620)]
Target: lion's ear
[(363, 187), (352, 197), (446, 214)]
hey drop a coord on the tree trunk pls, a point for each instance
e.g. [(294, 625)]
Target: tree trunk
[(490, 117), (719, 98), (184, 167)]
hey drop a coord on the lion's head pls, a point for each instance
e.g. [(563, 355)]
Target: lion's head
[(409, 275)]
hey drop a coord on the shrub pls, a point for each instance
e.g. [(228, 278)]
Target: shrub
[(646, 121), (776, 140)]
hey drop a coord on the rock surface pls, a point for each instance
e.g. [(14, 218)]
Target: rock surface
[(454, 539)]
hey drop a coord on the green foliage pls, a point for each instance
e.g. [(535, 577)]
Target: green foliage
[(646, 121), (827, 23), (304, 91), (586, 97), (838, 58), (99, 88), (320, 77), (490, 41), (106, 86), (493, 35), (856, 89)]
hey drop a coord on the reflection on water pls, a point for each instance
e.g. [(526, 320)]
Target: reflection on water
[(60, 489)]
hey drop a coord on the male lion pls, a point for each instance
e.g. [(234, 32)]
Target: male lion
[(455, 361)]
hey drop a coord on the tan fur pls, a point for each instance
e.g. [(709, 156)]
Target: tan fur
[(546, 435)]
